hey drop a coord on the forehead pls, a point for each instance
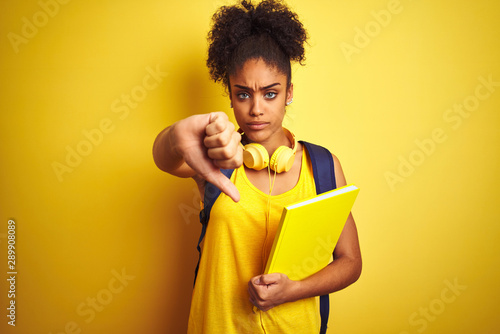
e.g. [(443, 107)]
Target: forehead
[(257, 72)]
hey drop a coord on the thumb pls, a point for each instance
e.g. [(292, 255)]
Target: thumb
[(265, 280), (258, 280), (224, 184)]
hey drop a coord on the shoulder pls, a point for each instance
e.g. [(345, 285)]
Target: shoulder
[(336, 161), (339, 173)]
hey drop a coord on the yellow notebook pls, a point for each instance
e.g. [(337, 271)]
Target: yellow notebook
[(308, 232)]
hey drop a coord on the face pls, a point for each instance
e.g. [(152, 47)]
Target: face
[(259, 94)]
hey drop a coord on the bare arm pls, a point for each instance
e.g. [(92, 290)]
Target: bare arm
[(267, 291), (197, 147), (166, 155), (346, 266)]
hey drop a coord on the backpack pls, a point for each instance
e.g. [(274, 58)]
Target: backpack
[(324, 179)]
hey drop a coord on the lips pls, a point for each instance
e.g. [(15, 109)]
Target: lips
[(257, 125)]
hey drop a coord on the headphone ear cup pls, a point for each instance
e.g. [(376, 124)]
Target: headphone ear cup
[(282, 159), (255, 156)]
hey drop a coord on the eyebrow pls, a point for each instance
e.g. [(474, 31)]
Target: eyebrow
[(263, 88)]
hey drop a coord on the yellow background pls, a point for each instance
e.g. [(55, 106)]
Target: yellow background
[(116, 213)]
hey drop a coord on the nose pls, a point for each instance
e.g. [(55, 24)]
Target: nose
[(256, 109)]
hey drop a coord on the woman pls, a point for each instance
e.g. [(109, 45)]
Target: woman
[(250, 53)]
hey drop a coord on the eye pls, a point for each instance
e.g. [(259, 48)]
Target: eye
[(271, 95), (242, 96)]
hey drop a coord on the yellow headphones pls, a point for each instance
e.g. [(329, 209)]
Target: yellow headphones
[(255, 155)]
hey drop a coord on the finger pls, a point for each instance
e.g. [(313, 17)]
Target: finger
[(219, 139), (232, 144), (257, 280), (228, 157), (222, 153), (224, 184), (214, 116), (225, 138), (218, 122), (215, 128), (234, 162), (228, 164), (252, 294), (268, 279)]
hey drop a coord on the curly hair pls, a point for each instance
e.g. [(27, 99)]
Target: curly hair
[(269, 31)]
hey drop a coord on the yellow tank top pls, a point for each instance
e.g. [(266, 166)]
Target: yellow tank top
[(236, 246)]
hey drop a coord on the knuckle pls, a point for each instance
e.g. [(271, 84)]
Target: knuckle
[(224, 139), (207, 141), (215, 141), (221, 124), (238, 136), (227, 152), (221, 115), (238, 160), (211, 153)]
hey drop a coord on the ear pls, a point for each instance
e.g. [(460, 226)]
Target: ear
[(289, 93)]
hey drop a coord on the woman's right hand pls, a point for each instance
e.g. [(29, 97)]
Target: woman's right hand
[(207, 143)]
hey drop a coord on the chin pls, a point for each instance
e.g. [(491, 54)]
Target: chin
[(259, 135)]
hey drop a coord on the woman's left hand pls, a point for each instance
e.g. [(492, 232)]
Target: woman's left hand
[(268, 291)]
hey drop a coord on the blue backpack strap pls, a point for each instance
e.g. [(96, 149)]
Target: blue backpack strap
[(211, 194), (324, 178)]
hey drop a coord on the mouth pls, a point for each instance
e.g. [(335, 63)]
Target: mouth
[(257, 125)]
